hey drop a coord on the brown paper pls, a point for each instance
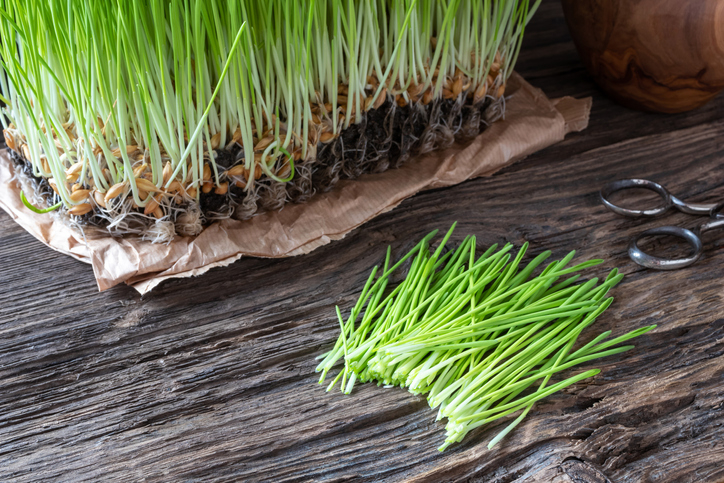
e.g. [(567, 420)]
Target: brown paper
[(532, 122)]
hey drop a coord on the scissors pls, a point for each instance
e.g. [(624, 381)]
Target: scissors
[(693, 238)]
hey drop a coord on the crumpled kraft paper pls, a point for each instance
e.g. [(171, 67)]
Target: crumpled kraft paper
[(532, 122)]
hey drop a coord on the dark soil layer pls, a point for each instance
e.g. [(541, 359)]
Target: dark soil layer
[(42, 188), (385, 138)]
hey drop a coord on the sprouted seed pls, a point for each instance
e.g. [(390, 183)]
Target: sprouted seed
[(152, 108)]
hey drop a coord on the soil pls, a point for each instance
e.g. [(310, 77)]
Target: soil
[(385, 138)]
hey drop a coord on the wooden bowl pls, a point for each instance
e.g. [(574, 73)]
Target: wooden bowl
[(654, 55)]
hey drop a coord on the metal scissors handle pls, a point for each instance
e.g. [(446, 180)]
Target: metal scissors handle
[(693, 238)]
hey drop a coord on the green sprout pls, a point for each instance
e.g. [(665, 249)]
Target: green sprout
[(476, 333), (131, 100)]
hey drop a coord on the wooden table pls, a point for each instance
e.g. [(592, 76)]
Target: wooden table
[(213, 378)]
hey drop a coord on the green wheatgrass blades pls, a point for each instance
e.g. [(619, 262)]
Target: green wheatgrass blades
[(479, 334), (123, 106)]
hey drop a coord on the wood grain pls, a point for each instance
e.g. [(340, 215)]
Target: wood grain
[(211, 379), (658, 55)]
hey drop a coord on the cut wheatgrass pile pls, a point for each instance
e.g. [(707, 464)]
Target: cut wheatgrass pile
[(477, 332), (157, 117)]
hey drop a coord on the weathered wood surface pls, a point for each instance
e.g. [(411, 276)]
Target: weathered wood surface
[(212, 378)]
